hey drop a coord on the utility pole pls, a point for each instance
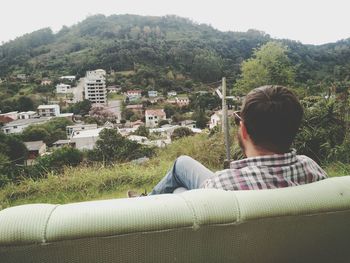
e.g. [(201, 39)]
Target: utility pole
[(225, 126)]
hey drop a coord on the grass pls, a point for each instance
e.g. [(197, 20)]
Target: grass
[(115, 96), (97, 182)]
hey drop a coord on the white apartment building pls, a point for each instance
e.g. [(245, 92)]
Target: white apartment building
[(153, 117), (95, 86), (63, 88), (49, 110)]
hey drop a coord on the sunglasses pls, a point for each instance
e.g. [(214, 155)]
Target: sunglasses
[(237, 117)]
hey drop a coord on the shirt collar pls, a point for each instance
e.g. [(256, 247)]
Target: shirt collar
[(266, 160)]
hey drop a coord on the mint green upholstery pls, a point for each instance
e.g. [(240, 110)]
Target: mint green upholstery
[(309, 223)]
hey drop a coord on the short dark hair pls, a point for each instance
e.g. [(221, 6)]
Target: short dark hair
[(272, 117)]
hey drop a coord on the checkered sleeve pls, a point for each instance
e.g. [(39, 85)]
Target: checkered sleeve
[(225, 180)]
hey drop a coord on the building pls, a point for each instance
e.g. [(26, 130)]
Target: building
[(86, 140), (153, 117), (22, 77), (138, 139), (63, 88), (152, 93), (113, 89), (69, 78), (68, 115), (154, 100), (216, 118), (134, 94), (52, 110), (182, 101), (188, 123), (172, 93), (25, 115), (70, 129), (35, 150), (13, 115), (95, 86), (18, 126), (45, 82)]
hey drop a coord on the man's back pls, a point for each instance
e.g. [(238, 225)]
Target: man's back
[(267, 172)]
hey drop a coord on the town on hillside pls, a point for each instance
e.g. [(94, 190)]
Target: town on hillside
[(95, 102)]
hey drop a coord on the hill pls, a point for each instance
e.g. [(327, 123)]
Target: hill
[(125, 42)]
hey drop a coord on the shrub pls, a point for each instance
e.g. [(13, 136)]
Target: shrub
[(181, 132)]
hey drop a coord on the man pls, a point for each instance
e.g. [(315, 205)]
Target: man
[(268, 123)]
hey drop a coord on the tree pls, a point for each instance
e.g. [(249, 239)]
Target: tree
[(180, 133), (201, 119), (163, 122), (35, 133), (82, 107), (269, 65), (112, 146), (25, 103), (142, 131), (207, 66), (13, 148)]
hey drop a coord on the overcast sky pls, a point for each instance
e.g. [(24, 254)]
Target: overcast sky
[(308, 21)]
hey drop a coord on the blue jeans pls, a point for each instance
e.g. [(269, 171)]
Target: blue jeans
[(186, 172)]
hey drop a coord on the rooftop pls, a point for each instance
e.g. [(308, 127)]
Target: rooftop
[(40, 107), (155, 112), (26, 122), (61, 142), (87, 133), (34, 146)]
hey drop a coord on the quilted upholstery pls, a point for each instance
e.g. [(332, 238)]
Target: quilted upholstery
[(309, 223)]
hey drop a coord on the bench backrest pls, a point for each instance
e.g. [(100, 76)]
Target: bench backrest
[(309, 223)]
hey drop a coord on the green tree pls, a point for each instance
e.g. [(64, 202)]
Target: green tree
[(207, 66), (142, 131), (35, 133), (66, 156), (269, 65), (180, 133), (82, 107), (25, 103), (112, 146), (201, 119)]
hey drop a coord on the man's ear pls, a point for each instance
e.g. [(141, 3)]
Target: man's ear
[(244, 132)]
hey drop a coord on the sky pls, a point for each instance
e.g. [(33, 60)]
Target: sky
[(307, 21)]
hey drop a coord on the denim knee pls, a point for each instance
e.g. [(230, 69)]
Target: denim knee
[(183, 160)]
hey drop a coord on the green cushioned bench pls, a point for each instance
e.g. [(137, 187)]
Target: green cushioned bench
[(309, 223)]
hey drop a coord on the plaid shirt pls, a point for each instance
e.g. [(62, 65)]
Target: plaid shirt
[(267, 172)]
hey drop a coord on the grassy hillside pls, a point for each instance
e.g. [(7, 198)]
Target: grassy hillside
[(91, 183), (88, 183)]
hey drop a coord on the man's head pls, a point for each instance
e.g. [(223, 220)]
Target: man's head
[(271, 117)]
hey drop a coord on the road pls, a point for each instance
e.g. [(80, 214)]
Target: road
[(78, 91), (115, 107)]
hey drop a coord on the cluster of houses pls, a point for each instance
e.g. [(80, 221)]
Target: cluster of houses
[(16, 122), (153, 97), (84, 136)]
